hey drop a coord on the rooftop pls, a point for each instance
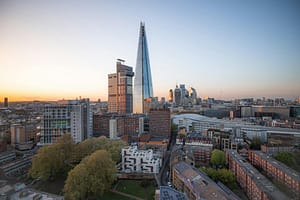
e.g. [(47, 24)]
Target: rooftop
[(200, 183), (261, 181), (289, 171), (232, 124), (169, 193)]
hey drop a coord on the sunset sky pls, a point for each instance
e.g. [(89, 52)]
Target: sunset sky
[(57, 49)]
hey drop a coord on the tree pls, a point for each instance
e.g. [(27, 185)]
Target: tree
[(285, 157), (218, 159), (223, 175), (174, 128), (89, 146), (51, 160), (255, 143), (91, 177)]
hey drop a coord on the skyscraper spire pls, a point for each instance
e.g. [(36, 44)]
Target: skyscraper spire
[(143, 80)]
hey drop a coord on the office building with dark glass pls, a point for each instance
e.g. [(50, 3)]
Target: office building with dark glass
[(143, 80)]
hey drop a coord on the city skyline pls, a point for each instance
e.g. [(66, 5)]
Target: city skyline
[(65, 49)]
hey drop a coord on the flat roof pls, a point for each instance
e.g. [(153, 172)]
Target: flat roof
[(234, 123), (168, 193)]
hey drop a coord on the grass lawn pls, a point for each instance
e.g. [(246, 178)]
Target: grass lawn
[(134, 187), (113, 196)]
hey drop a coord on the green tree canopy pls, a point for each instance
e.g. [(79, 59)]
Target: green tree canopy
[(89, 146), (52, 160), (255, 143), (285, 157), (91, 177), (218, 158), (223, 175)]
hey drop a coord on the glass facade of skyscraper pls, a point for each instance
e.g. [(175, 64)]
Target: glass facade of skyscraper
[(143, 80)]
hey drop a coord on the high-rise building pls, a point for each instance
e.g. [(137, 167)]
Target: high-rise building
[(183, 90), (143, 80), (5, 102), (120, 89), (67, 117), (170, 96), (177, 96), (193, 94)]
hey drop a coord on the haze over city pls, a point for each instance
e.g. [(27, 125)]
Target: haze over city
[(225, 49)]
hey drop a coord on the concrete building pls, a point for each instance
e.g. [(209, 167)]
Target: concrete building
[(140, 161), (23, 135), (273, 149), (277, 170), (254, 184), (196, 185), (120, 89), (160, 122), (67, 117)]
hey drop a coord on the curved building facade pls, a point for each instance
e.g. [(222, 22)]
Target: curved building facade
[(143, 80)]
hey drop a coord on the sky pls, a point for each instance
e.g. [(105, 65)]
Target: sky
[(60, 49)]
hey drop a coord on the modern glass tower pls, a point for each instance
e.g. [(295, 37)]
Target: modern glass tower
[(143, 80)]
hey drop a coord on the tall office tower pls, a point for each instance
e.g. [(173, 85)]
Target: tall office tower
[(143, 80), (120, 89), (177, 96), (182, 89), (170, 96), (5, 102), (193, 95), (67, 117)]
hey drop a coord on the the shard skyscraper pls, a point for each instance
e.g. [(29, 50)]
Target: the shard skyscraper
[(143, 80)]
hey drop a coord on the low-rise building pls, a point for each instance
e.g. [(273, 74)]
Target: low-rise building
[(277, 170), (140, 161), (254, 184), (273, 149), (196, 185), (200, 146), (168, 193)]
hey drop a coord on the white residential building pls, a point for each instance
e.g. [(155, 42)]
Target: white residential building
[(67, 117), (140, 161)]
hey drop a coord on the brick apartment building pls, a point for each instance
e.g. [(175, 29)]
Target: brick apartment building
[(160, 122), (200, 146), (128, 126), (277, 170), (254, 184), (196, 185)]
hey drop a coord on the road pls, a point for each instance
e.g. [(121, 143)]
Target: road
[(164, 174)]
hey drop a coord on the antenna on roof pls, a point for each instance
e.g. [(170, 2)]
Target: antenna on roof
[(120, 60)]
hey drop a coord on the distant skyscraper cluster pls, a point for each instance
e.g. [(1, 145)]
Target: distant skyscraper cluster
[(182, 96)]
